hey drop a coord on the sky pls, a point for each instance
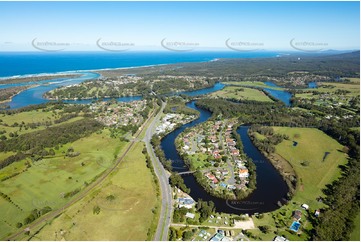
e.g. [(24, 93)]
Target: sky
[(26, 26)]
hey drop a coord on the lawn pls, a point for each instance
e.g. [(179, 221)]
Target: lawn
[(47, 181), (199, 160), (127, 216), (242, 93), (28, 117), (308, 159)]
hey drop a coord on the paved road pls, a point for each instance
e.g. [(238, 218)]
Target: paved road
[(163, 176), (231, 180)]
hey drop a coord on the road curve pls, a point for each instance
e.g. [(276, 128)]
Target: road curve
[(163, 177)]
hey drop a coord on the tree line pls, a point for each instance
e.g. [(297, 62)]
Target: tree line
[(33, 144)]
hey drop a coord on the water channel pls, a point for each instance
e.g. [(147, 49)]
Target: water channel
[(271, 188)]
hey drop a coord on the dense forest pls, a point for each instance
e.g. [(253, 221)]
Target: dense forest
[(328, 64)]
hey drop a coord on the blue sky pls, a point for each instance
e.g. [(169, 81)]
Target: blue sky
[(142, 25)]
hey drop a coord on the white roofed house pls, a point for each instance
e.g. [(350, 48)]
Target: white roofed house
[(190, 215), (186, 202)]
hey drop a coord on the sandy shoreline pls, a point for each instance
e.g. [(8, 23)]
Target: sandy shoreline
[(45, 74)]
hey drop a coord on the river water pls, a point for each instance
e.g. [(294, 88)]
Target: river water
[(284, 96)]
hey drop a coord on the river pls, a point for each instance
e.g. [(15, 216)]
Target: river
[(33, 96), (284, 96), (271, 188)]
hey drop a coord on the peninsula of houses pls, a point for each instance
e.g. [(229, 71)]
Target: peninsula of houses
[(211, 150)]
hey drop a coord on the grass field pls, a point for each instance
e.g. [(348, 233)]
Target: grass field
[(126, 217), (324, 87), (4, 155), (311, 148), (253, 84), (30, 117), (354, 79), (354, 88), (242, 93), (26, 117), (46, 181), (313, 175)]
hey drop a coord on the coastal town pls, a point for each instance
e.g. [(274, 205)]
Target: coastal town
[(180, 121), (109, 85), (119, 113)]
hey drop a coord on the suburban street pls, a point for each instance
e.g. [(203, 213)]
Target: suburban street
[(163, 176)]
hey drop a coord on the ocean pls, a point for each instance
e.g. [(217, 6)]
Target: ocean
[(30, 63)]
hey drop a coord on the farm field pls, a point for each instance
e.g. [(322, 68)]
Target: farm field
[(43, 118), (243, 93), (315, 158), (353, 86), (354, 79), (28, 117), (330, 87), (48, 181), (307, 146), (253, 84), (125, 206)]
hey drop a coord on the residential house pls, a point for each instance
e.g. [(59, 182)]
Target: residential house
[(186, 202), (297, 215), (243, 172)]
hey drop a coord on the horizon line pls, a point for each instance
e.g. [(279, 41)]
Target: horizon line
[(193, 50)]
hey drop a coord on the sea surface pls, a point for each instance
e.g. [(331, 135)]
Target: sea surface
[(29, 63)]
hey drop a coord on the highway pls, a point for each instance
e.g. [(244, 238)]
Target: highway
[(163, 177)]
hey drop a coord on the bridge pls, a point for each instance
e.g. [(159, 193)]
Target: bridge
[(186, 172)]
